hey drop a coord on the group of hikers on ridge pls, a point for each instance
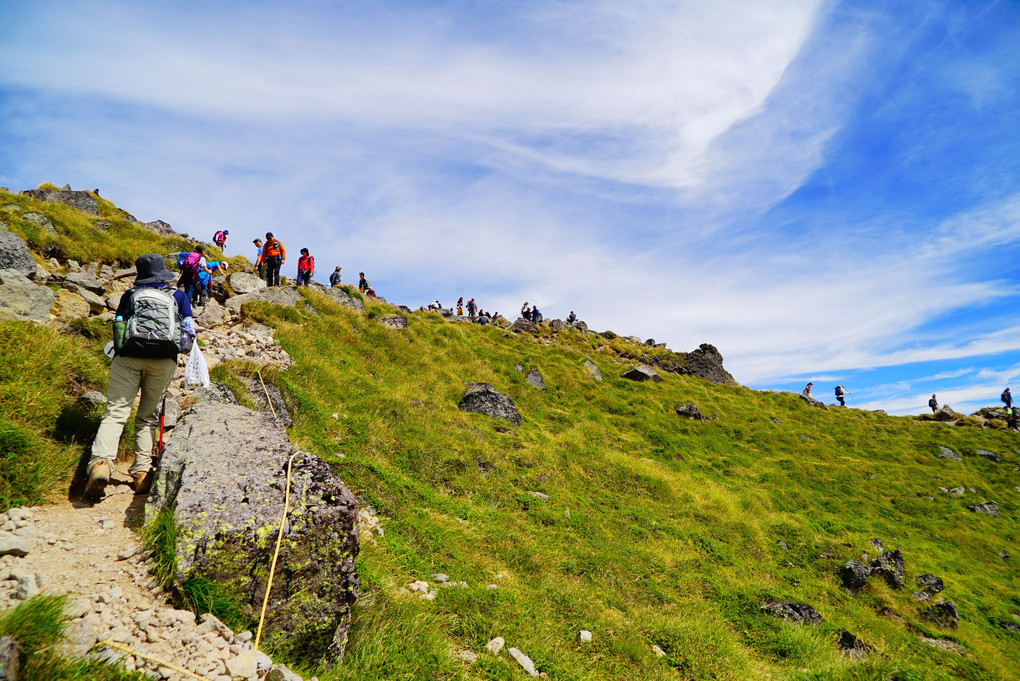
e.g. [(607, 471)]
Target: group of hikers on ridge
[(841, 393)]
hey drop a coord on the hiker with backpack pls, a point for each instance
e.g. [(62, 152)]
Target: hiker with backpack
[(472, 308), (806, 392), (305, 268), (840, 392), (205, 276), (571, 318), (1007, 398), (460, 306), (933, 403), (152, 326), (260, 267), (273, 256), (536, 316), (334, 279), (367, 289), (220, 238), (191, 264)]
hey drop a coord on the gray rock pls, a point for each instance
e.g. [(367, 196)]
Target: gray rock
[(276, 295), (854, 575), (242, 282), (956, 491), (988, 455), (223, 476), (97, 304), (535, 378), (801, 613), (280, 673), (482, 398), (81, 200), (211, 315), (347, 298), (987, 507), (539, 495), (689, 410), (592, 369), (921, 596), (14, 254), (556, 324), (579, 326), (947, 453), (41, 221), (86, 281), (642, 373), (159, 227), (13, 545), (812, 402), (22, 300), (523, 325), (216, 392), (706, 362), (943, 644), (41, 275), (943, 614), (28, 587), (10, 658), (525, 662), (171, 414), (851, 645), (79, 637), (279, 407), (95, 398), (890, 567), (608, 335), (395, 322), (876, 543), (929, 583)]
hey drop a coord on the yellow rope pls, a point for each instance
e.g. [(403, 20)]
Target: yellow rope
[(276, 553), (268, 399), (108, 643)]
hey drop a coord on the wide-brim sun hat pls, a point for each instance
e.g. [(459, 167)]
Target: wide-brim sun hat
[(151, 269)]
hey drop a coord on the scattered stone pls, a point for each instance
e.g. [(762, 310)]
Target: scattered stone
[(418, 586), (41, 221), (988, 455), (921, 596), (812, 402), (956, 491), (280, 672), (397, 322), (28, 587), (689, 410), (876, 543), (495, 645), (535, 378), (14, 254), (539, 495), (441, 578), (585, 636), (244, 664), (467, 656), (22, 300), (659, 652), (947, 453), (941, 644), (10, 658), (482, 398), (783, 545), (854, 575), (929, 583), (890, 567), (523, 660), (988, 508), (13, 545), (943, 614), (642, 373), (851, 645), (801, 613), (79, 637), (127, 552), (592, 369)]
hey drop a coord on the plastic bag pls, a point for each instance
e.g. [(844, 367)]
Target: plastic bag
[(196, 372)]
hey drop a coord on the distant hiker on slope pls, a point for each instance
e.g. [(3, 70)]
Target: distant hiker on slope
[(305, 268), (571, 318), (806, 392), (1007, 398), (840, 392), (273, 256), (260, 266), (366, 288), (526, 311), (536, 316), (460, 306), (933, 403), (1011, 417), (334, 279), (472, 308), (146, 350), (220, 238)]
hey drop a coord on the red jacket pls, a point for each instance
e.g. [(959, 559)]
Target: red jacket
[(306, 263)]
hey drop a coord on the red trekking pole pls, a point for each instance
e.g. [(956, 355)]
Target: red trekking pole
[(162, 416)]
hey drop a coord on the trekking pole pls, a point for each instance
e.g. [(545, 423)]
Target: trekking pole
[(162, 416), (852, 397)]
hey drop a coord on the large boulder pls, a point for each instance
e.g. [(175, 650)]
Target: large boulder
[(689, 410), (987, 507), (97, 304), (943, 614), (41, 221), (21, 299), (211, 315), (242, 282), (67, 305), (159, 227), (14, 254), (482, 398), (890, 567), (523, 325), (534, 377), (642, 373), (556, 324), (86, 281), (592, 369), (83, 201), (223, 476), (946, 414), (854, 575), (947, 453), (706, 362), (275, 295), (812, 402), (345, 297)]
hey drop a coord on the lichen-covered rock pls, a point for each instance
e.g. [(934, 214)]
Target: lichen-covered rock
[(988, 508), (397, 322), (890, 567), (275, 295), (943, 614), (482, 398), (689, 410), (20, 299), (592, 369), (242, 283), (929, 583), (223, 476), (642, 373), (83, 201), (947, 453), (535, 378), (14, 254), (41, 221), (854, 575), (801, 613), (523, 325)]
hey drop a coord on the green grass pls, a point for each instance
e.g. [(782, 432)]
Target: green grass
[(38, 624)]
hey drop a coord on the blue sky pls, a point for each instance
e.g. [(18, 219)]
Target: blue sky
[(825, 191)]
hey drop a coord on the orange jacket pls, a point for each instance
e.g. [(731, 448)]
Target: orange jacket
[(274, 249)]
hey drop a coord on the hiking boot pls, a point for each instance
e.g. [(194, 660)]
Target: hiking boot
[(142, 482), (99, 476)]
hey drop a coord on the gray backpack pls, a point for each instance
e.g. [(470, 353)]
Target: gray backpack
[(153, 325)]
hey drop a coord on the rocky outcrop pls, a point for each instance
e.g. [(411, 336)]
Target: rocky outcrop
[(223, 476), (947, 453), (929, 583), (812, 402), (890, 567), (397, 322), (81, 200), (275, 295), (14, 254), (22, 300), (159, 227), (989, 508), (482, 398), (67, 305), (242, 282), (642, 373), (342, 295), (801, 613), (946, 413), (689, 410), (592, 369), (706, 362), (535, 378), (41, 221), (943, 614), (523, 325)]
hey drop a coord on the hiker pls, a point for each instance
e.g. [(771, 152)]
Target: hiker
[(1007, 398), (571, 318), (260, 267), (305, 268), (460, 306), (840, 392), (806, 392), (472, 308), (205, 280), (273, 257), (1011, 417), (145, 358), (481, 319), (536, 316), (191, 265), (933, 403), (334, 279), (526, 311), (363, 283), (220, 238)]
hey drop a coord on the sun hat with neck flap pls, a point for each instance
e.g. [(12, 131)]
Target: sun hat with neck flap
[(152, 270)]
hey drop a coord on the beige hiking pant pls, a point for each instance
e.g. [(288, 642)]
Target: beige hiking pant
[(127, 375)]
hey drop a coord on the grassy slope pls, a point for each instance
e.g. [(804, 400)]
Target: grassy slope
[(672, 530), (672, 527)]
